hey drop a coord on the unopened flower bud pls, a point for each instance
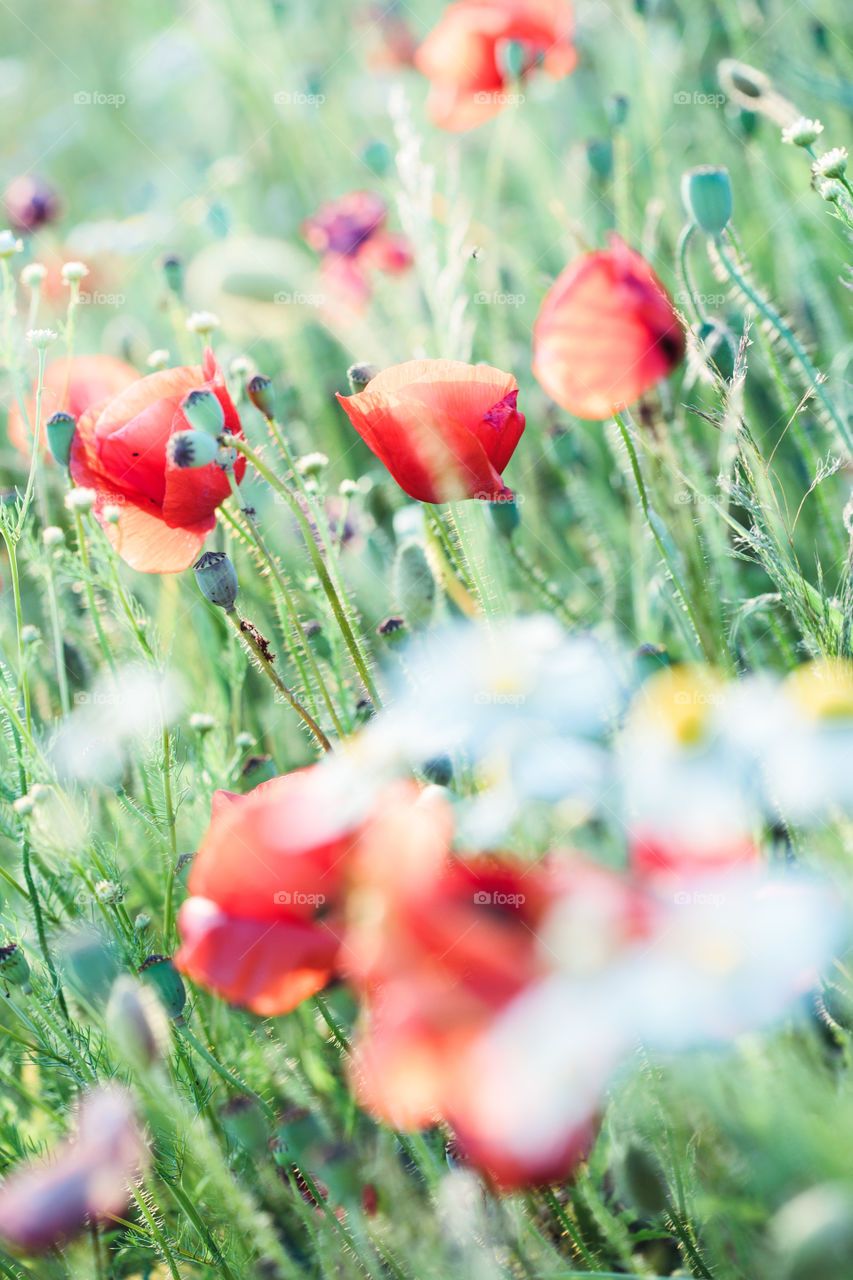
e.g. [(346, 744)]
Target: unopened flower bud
[(202, 322), (33, 274), (414, 586), (803, 132), (217, 579), (14, 969), (260, 392), (81, 500), (188, 449), (40, 338), (707, 196), (158, 359), (392, 630), (348, 488), (203, 411), (167, 982), (201, 722), (74, 272), (359, 375), (53, 536), (599, 154), (312, 464), (61, 428), (142, 923), (136, 1022), (111, 513)]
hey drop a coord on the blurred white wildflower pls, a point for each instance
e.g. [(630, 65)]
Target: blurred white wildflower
[(74, 272), (118, 712)]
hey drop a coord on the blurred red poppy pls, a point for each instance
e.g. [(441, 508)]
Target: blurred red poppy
[(480, 48), (606, 332), (262, 927), (436, 954), (72, 386), (119, 450), (351, 236), (445, 430)]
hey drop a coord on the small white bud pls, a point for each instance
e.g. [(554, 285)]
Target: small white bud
[(73, 272)]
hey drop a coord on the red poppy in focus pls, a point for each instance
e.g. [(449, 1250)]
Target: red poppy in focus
[(607, 331), (480, 48), (445, 430), (119, 450), (73, 387), (351, 236), (262, 927)]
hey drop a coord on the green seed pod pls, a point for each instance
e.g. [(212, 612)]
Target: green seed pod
[(217, 579), (60, 428), (392, 631), (245, 1123), (14, 968), (599, 154), (167, 982), (192, 449), (359, 375), (90, 965), (378, 157), (173, 274), (505, 516), (414, 586), (707, 196), (203, 411), (262, 396), (512, 59)]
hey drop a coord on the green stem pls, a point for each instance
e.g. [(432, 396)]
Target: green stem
[(684, 270), (162, 1243), (172, 860), (226, 1075), (319, 565)]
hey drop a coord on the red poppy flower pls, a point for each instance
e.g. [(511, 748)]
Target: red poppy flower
[(436, 958), (445, 430), (606, 332), (466, 55), (657, 855), (262, 926), (119, 450), (350, 234), (72, 387)]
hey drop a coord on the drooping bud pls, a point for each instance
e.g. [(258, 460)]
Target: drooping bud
[(167, 982), (217, 579), (414, 586), (190, 449), (260, 391), (14, 968), (60, 428), (359, 375), (203, 411), (244, 1123), (707, 195), (173, 274), (505, 516), (136, 1022)]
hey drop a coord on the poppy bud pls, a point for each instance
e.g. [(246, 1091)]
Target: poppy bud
[(173, 275), (505, 516), (262, 396), (217, 579), (136, 1022), (167, 982), (359, 375), (203, 411), (191, 449), (244, 1123), (414, 586), (14, 968), (707, 196)]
